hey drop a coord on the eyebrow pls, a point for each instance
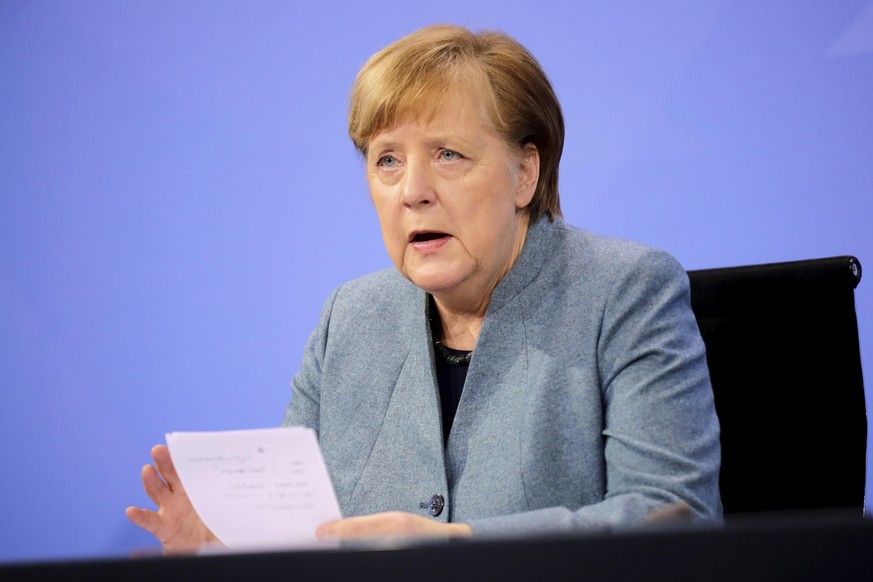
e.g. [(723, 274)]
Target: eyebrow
[(433, 142), (442, 139), (375, 144)]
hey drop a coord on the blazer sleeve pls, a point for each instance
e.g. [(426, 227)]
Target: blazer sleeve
[(661, 433), (303, 410)]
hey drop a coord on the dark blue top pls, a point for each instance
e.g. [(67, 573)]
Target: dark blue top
[(451, 382)]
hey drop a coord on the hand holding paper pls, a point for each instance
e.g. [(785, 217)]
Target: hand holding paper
[(264, 488), (175, 523)]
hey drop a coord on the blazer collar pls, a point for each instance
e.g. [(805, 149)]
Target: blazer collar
[(529, 263), (534, 254)]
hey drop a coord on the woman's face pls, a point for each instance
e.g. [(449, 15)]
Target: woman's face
[(450, 196)]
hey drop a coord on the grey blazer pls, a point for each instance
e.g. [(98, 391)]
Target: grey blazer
[(587, 402)]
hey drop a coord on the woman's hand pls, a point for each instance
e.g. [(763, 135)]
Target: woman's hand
[(392, 524), (176, 525)]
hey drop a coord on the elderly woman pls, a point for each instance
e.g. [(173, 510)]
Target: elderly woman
[(513, 373)]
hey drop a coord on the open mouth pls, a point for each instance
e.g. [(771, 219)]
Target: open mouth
[(426, 236)]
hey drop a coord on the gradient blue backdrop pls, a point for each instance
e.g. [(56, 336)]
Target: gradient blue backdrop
[(178, 197)]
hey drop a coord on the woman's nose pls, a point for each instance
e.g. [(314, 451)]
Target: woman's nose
[(418, 188)]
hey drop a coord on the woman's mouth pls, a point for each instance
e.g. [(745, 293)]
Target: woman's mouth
[(428, 242)]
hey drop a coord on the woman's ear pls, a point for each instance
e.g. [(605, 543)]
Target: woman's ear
[(528, 175)]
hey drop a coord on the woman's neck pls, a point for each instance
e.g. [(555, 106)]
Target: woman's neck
[(462, 309), (459, 329)]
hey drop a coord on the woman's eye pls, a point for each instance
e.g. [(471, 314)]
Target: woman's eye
[(449, 156), (387, 161)]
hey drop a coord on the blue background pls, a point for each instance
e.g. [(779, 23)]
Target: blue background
[(178, 197)]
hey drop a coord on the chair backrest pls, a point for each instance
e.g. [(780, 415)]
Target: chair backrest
[(782, 348)]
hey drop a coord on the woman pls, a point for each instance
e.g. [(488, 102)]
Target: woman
[(513, 373)]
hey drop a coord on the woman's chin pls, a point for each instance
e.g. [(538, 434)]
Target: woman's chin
[(436, 283)]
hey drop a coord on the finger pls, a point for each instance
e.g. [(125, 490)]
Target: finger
[(370, 526), (678, 511), (164, 463), (154, 487), (339, 529), (148, 520)]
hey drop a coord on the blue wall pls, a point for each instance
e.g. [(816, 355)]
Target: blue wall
[(178, 197)]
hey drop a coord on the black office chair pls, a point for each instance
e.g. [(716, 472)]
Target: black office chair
[(782, 348)]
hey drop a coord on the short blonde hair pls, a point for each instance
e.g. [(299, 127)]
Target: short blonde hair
[(417, 72)]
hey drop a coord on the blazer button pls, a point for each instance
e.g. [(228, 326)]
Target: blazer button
[(436, 504)]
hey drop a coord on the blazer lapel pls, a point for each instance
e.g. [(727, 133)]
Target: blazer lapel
[(406, 465), (484, 443)]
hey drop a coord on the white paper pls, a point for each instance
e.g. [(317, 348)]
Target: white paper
[(265, 488)]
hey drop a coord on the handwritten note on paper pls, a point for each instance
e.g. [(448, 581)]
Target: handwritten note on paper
[(256, 489)]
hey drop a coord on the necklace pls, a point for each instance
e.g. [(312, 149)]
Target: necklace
[(450, 358), (436, 330)]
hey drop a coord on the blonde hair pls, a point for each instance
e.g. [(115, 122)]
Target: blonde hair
[(419, 71)]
